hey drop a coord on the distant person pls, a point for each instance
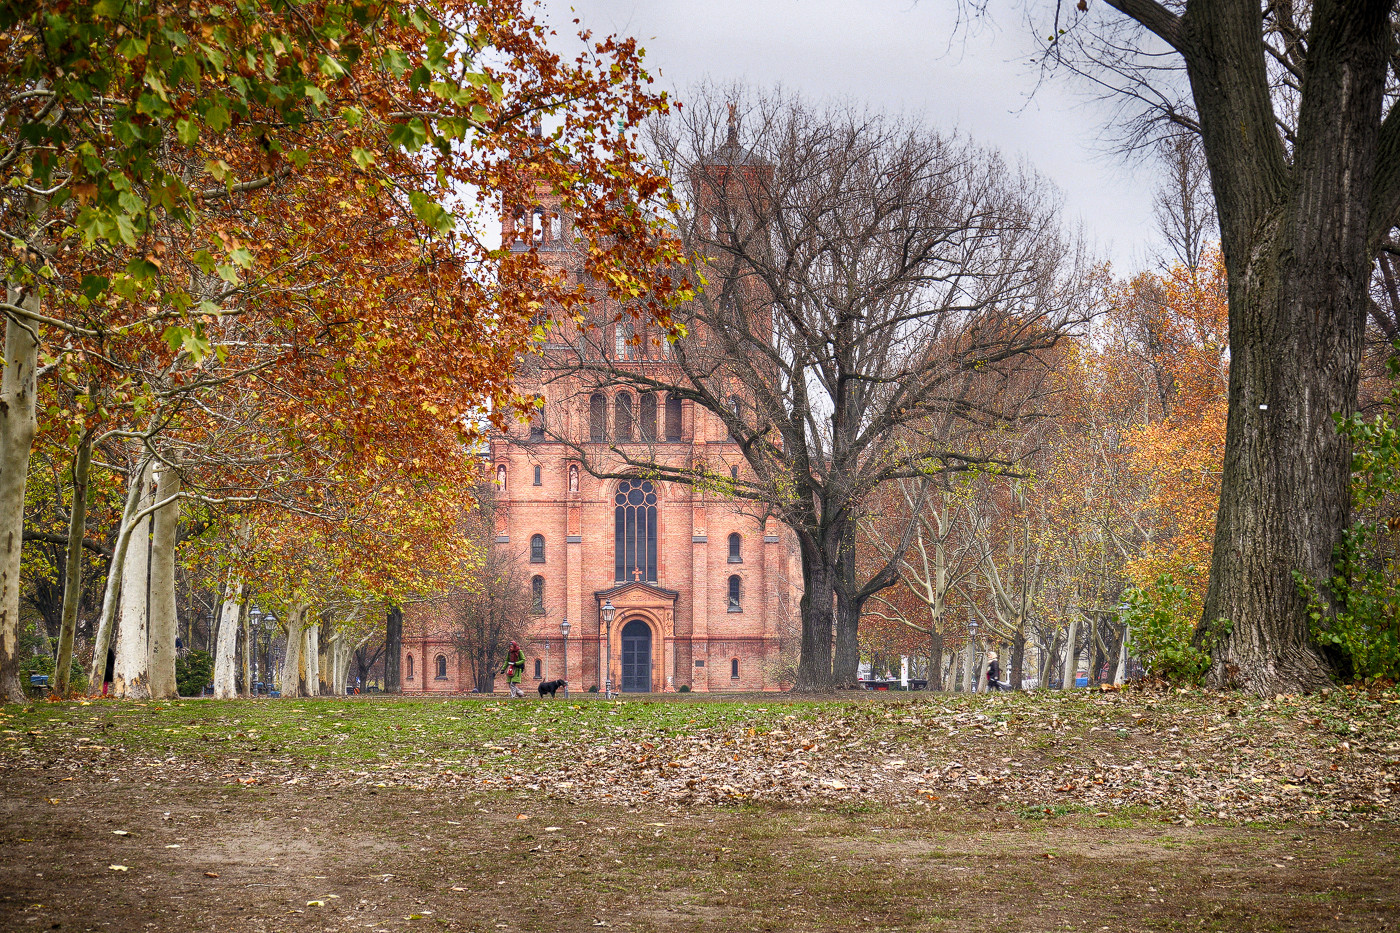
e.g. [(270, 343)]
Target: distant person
[(994, 673), (514, 669)]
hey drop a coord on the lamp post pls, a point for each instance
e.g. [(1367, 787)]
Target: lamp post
[(251, 649), (607, 612), (564, 630)]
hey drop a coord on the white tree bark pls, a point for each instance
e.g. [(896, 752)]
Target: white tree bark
[(132, 677), (1071, 655), (293, 668), (226, 648), (18, 422), (1120, 674), (313, 659), (102, 642), (164, 625), (969, 659)]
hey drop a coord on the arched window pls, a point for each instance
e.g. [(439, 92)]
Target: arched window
[(734, 594), (673, 418), (440, 663), (736, 555), (537, 476), (537, 226), (648, 419), (537, 549), (410, 667), (556, 227), (537, 595), (598, 417), (734, 473), (734, 668), (635, 531), (537, 669), (622, 417)]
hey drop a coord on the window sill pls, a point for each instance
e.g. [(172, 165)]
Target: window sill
[(736, 608), (736, 560)]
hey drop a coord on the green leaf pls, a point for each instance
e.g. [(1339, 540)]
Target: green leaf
[(187, 130), (363, 157), (430, 212)]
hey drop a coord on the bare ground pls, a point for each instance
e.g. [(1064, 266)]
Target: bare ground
[(188, 840)]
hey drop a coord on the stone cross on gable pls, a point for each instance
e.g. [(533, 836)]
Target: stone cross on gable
[(637, 574)]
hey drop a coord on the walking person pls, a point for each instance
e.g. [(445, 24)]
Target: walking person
[(994, 673), (514, 669)]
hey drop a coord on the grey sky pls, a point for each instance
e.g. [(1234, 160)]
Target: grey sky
[(896, 55)]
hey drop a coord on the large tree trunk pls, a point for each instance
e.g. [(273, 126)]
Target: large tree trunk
[(132, 677), (393, 650), (1018, 657), (227, 645), (814, 665), (293, 664), (935, 656), (73, 566), (1298, 236), (845, 664), (165, 622), (250, 648), (18, 422), (313, 660)]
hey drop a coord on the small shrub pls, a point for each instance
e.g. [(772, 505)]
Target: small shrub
[(1160, 631), (193, 672), (683, 688), (593, 688), (1358, 618)]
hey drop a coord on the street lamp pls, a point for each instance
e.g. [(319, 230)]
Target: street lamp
[(564, 630), (251, 649), (607, 611)]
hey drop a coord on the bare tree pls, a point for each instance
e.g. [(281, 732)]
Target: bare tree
[(871, 294), (494, 608), (1181, 204)]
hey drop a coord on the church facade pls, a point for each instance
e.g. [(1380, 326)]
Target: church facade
[(701, 588)]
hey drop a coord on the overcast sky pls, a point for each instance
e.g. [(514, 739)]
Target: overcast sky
[(896, 54)]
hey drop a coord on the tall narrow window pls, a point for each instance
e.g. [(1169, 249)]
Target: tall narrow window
[(598, 417), (622, 417), (735, 543), (635, 531), (537, 595), (410, 667), (623, 332), (538, 481), (734, 473), (734, 668), (537, 668), (673, 418), (537, 549), (648, 416), (734, 594), (441, 663)]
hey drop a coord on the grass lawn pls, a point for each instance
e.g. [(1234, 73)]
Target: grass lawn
[(1087, 810)]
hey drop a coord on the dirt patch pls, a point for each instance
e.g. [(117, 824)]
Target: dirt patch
[(309, 858)]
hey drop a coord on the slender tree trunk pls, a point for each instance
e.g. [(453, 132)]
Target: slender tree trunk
[(111, 593), (814, 665), (311, 661), (1120, 674), (227, 645), (18, 423), (393, 650), (969, 660), (165, 623), (1071, 654), (73, 565), (935, 656), (132, 678), (250, 647)]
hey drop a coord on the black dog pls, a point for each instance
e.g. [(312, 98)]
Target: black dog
[(549, 686)]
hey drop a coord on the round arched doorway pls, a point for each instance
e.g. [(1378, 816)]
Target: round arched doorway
[(636, 657)]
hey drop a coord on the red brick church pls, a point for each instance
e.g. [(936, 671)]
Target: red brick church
[(699, 589)]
